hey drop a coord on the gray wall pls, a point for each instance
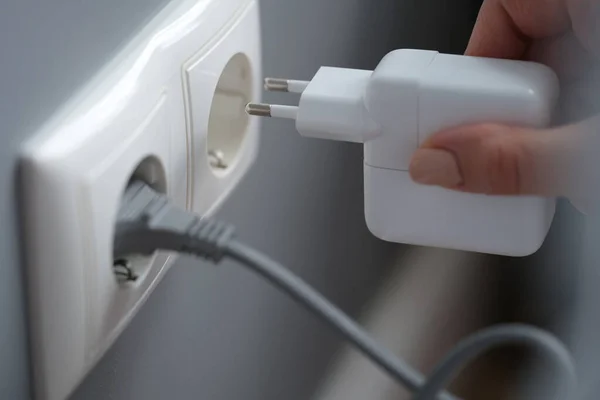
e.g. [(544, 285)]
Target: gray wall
[(218, 333)]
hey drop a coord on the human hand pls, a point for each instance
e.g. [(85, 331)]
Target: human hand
[(508, 160)]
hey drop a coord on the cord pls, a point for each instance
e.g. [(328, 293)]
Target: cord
[(148, 221), (315, 302), (484, 340)]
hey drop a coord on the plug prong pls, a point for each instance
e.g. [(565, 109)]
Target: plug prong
[(272, 110), (258, 109), (285, 85), (276, 85)]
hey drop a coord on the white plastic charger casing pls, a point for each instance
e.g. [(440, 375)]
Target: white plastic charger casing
[(438, 91)]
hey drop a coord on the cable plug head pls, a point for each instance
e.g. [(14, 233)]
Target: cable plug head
[(331, 105)]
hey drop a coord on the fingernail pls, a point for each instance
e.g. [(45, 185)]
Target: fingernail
[(435, 167)]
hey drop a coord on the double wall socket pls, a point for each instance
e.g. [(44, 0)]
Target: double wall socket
[(169, 110)]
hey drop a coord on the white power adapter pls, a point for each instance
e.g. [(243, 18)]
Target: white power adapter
[(393, 109)]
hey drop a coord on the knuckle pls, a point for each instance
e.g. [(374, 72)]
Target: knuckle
[(503, 165), (485, 131)]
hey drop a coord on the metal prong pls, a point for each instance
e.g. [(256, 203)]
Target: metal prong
[(276, 85), (272, 110), (258, 109), (285, 85), (124, 271), (216, 159)]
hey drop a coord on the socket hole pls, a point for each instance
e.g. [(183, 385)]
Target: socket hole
[(134, 269), (228, 121), (123, 271), (151, 171)]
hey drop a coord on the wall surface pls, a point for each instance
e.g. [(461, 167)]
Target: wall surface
[(221, 333)]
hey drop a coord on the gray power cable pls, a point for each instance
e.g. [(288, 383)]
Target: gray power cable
[(148, 221), (463, 353), (315, 302), (502, 335)]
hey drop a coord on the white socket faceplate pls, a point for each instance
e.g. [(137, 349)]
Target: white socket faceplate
[(151, 103)]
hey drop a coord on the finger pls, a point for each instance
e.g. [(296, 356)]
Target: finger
[(505, 28), (502, 160), (495, 34), (578, 74), (565, 55)]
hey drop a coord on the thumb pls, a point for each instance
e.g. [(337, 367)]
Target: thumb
[(500, 160)]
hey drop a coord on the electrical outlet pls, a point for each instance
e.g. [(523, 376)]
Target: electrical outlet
[(169, 110)]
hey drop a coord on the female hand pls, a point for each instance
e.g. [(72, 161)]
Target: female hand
[(498, 159)]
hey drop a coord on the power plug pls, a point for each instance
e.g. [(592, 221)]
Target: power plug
[(393, 109)]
